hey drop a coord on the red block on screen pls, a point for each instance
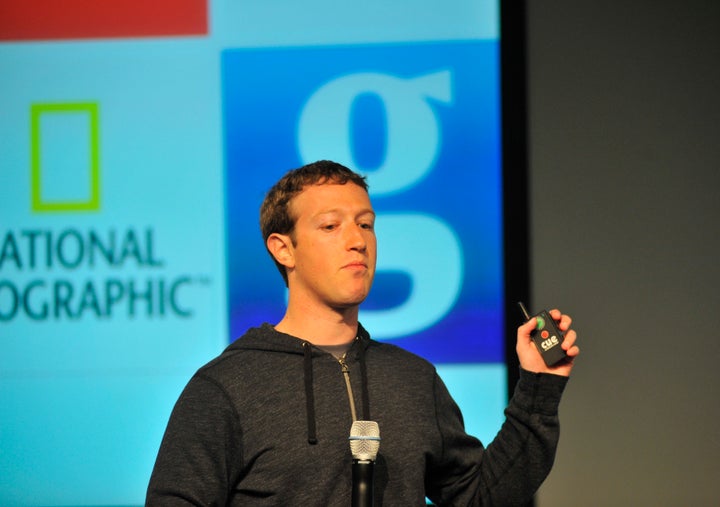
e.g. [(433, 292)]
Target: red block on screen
[(22, 20)]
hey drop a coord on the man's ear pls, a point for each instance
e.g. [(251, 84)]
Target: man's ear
[(280, 246)]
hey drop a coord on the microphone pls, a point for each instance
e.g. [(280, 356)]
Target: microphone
[(364, 445)]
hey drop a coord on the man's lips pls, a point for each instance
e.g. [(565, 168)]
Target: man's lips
[(356, 265)]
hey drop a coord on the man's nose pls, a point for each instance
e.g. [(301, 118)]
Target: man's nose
[(355, 238)]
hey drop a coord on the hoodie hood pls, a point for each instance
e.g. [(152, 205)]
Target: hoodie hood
[(266, 338)]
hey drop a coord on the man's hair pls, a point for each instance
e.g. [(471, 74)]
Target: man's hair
[(275, 216)]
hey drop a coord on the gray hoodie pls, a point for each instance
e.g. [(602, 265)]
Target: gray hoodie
[(267, 423)]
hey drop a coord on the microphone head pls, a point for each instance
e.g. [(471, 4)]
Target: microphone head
[(364, 440)]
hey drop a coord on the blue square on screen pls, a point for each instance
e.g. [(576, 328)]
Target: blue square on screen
[(422, 121)]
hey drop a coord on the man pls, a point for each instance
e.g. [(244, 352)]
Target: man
[(267, 422)]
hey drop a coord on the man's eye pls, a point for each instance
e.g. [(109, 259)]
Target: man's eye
[(367, 225), (328, 227)]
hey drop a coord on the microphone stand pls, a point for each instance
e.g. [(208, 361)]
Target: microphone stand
[(362, 480)]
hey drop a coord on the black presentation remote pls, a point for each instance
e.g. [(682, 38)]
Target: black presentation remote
[(546, 336)]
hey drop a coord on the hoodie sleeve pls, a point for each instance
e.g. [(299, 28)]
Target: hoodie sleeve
[(511, 469), (195, 464)]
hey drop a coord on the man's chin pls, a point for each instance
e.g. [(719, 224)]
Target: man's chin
[(352, 301)]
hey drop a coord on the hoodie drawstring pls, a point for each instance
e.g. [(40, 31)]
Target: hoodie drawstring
[(364, 384), (309, 395)]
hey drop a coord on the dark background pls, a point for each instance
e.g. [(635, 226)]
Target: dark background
[(624, 164)]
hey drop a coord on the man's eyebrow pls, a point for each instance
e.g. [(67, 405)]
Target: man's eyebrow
[(365, 211), (327, 212)]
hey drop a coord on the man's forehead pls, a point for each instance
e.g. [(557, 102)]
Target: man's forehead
[(313, 205)]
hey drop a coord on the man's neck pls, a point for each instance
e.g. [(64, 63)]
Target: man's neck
[(321, 328)]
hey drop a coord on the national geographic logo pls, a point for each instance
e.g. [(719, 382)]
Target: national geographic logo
[(65, 157), (69, 273), (70, 251)]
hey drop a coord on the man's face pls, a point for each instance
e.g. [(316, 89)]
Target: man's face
[(335, 249)]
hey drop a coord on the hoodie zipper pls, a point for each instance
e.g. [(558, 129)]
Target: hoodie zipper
[(346, 374)]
